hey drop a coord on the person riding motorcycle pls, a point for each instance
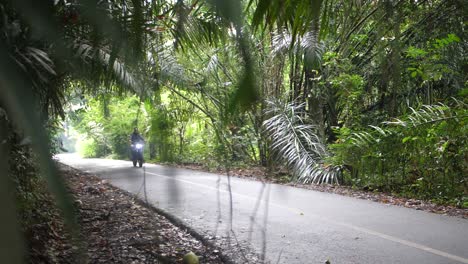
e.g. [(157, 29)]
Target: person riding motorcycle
[(136, 137), (137, 147)]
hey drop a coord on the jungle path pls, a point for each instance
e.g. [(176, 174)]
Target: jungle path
[(302, 226)]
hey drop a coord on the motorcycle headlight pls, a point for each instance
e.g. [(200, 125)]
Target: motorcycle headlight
[(138, 146)]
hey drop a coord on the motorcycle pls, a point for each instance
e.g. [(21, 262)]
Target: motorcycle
[(137, 154)]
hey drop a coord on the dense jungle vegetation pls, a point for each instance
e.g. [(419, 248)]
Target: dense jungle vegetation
[(366, 93), (352, 95)]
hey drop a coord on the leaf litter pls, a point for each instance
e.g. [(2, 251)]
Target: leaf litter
[(116, 228)]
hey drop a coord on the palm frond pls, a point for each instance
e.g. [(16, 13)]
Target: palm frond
[(283, 41), (426, 114), (309, 45), (89, 55), (296, 14), (36, 63), (362, 138), (169, 69), (295, 142), (197, 25), (21, 104), (212, 65)]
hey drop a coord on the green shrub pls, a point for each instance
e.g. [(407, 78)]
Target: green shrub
[(420, 155), (89, 148)]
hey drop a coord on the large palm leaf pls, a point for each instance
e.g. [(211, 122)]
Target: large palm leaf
[(92, 57), (27, 82), (426, 114), (295, 142), (309, 45), (197, 25), (296, 15)]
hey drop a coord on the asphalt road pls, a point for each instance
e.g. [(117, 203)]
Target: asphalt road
[(299, 226)]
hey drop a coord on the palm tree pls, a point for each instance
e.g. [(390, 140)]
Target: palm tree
[(41, 46)]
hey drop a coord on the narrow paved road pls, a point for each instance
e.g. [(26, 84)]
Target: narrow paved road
[(302, 226)]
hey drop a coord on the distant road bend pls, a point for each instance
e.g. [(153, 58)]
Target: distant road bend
[(302, 226)]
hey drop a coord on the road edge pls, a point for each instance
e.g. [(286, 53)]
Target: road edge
[(173, 219)]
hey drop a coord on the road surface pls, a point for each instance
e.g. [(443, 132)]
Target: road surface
[(299, 226)]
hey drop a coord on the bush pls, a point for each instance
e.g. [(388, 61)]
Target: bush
[(420, 155), (108, 132), (89, 148)]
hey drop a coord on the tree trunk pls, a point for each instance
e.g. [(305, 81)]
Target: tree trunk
[(314, 104)]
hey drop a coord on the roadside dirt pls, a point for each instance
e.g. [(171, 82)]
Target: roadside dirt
[(116, 228)]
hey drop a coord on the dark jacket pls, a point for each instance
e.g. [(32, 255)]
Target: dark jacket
[(136, 137)]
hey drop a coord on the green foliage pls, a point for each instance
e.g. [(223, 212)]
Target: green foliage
[(88, 148), (428, 64), (340, 65), (349, 89), (421, 154), (347, 64), (106, 135), (161, 127), (296, 143)]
